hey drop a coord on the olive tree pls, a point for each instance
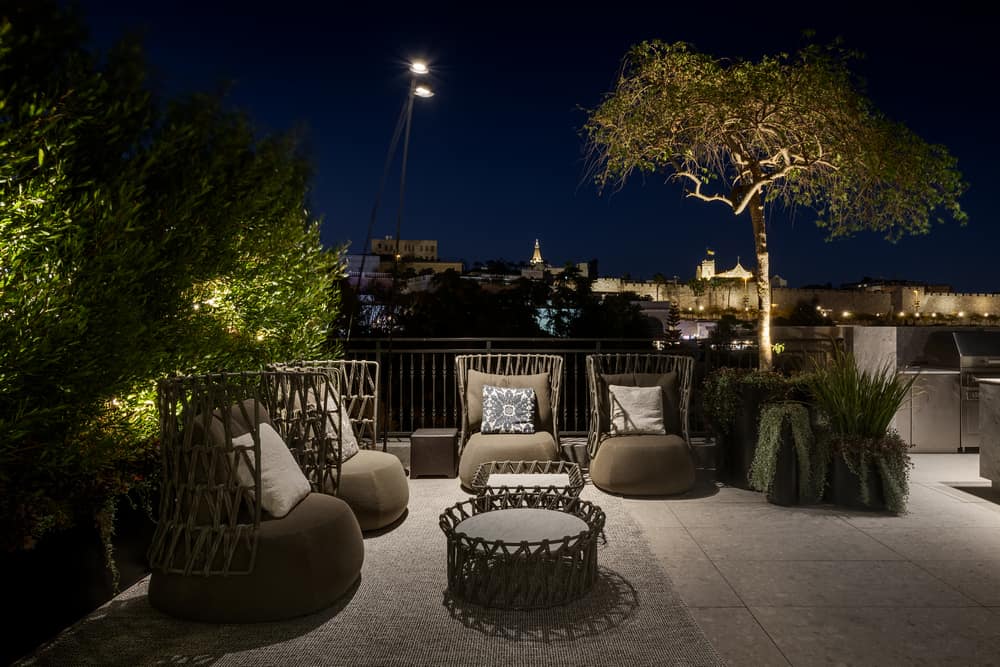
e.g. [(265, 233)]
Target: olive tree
[(791, 130), (137, 239)]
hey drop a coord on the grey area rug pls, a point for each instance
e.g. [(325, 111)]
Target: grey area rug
[(400, 614)]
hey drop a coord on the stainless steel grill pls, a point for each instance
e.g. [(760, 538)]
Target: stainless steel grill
[(979, 358)]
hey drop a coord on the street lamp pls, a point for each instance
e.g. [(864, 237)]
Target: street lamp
[(417, 68)]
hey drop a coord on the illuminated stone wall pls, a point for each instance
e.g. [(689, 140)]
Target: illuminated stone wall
[(734, 296)]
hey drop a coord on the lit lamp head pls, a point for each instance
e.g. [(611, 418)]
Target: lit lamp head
[(423, 91), (419, 67)]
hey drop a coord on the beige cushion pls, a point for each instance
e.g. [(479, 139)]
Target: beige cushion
[(305, 561), (374, 484), (483, 447), (330, 402), (667, 382), (539, 382), (636, 410), (282, 484), (643, 465)]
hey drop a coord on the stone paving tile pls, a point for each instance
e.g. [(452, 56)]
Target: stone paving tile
[(826, 540), (946, 513), (940, 542), (673, 544), (700, 584), (736, 515), (653, 513), (838, 584), (738, 637), (979, 580), (807, 636)]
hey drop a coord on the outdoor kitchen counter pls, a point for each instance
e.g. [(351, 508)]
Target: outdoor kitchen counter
[(989, 428)]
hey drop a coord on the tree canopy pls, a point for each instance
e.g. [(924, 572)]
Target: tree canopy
[(137, 239), (795, 130)]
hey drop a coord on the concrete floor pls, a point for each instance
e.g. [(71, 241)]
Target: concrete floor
[(821, 586)]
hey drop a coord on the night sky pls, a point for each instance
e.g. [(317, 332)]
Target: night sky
[(496, 157)]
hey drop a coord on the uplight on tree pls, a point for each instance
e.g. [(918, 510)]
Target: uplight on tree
[(788, 130)]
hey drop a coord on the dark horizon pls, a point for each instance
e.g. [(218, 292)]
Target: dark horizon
[(496, 159)]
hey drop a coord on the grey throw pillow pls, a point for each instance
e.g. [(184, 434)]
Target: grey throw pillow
[(508, 410)]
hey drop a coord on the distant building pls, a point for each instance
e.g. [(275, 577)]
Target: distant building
[(420, 256), (706, 270), (536, 257), (426, 249), (538, 267)]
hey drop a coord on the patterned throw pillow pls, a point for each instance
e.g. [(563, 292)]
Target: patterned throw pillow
[(508, 409)]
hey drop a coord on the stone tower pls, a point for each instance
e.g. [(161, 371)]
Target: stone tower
[(536, 257)]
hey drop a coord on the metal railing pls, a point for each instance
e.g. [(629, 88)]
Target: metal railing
[(419, 388)]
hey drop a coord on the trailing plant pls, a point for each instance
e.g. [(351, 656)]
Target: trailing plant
[(722, 389), (889, 455), (811, 452), (858, 406)]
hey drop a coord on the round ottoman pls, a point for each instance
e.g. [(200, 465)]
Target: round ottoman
[(305, 561), (374, 484)]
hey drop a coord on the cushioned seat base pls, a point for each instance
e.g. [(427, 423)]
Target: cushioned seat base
[(643, 465), (483, 447), (305, 561), (374, 484)]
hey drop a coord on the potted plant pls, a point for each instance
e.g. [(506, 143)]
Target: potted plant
[(789, 464), (871, 466), (732, 400)]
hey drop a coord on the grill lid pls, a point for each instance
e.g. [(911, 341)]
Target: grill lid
[(978, 348)]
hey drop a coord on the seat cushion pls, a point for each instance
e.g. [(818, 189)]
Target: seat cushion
[(643, 465), (305, 561), (483, 447), (374, 484)]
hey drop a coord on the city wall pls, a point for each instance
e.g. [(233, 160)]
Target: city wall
[(737, 296)]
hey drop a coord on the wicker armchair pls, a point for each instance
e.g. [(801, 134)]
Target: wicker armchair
[(541, 372), (217, 555), (372, 482), (641, 464)]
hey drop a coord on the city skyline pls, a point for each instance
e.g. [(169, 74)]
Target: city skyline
[(496, 158)]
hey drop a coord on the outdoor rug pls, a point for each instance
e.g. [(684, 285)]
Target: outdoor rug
[(400, 614)]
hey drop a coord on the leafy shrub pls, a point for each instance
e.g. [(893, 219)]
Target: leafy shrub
[(136, 240)]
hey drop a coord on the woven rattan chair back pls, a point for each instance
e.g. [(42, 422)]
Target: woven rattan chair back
[(208, 518), (358, 382), (602, 364), (509, 364)]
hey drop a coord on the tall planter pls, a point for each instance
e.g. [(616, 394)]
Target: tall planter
[(737, 449), (847, 489), (785, 487)]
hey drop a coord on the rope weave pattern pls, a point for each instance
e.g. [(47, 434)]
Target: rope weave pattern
[(605, 364), (522, 575), (483, 472), (208, 519)]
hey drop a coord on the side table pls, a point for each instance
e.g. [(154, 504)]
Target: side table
[(433, 452)]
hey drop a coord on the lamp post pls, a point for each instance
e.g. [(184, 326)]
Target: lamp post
[(417, 69)]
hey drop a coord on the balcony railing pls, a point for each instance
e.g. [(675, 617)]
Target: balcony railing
[(419, 388)]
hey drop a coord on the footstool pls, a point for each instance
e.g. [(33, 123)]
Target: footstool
[(538, 476), (522, 550)]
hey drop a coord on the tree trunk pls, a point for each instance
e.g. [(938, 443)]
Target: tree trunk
[(763, 282)]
